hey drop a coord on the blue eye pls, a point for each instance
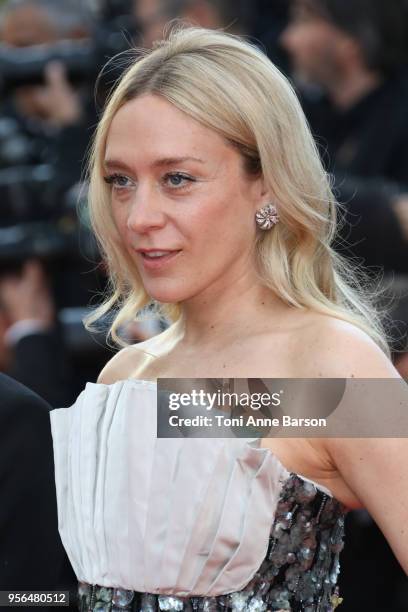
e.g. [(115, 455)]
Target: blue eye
[(173, 180), (177, 179), (119, 181)]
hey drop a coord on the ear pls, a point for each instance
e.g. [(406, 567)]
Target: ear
[(262, 194)]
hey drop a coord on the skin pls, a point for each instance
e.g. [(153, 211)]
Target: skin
[(231, 324)]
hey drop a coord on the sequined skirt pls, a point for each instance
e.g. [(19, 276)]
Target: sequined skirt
[(92, 598), (298, 574), (103, 599)]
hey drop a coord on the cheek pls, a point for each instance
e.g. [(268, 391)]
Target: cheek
[(210, 220), (119, 218), (223, 230)]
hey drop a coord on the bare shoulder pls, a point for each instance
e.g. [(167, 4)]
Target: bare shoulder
[(333, 348), (121, 364), (129, 360)]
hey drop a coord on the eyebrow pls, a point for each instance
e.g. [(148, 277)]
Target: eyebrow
[(158, 163)]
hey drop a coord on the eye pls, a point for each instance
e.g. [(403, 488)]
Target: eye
[(118, 181), (177, 180)]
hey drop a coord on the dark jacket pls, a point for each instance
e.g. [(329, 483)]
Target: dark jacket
[(31, 552)]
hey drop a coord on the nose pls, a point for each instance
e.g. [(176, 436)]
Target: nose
[(146, 211)]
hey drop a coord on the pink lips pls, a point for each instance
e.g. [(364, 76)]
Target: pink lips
[(156, 263)]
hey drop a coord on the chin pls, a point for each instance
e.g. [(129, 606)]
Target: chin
[(169, 293)]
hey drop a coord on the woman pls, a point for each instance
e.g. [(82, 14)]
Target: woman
[(209, 199)]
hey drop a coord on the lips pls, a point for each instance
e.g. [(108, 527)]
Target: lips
[(157, 258), (155, 253)]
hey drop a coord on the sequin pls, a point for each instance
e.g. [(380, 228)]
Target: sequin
[(148, 603), (122, 597), (168, 602), (102, 607), (298, 574), (256, 604), (210, 604), (104, 595), (84, 594)]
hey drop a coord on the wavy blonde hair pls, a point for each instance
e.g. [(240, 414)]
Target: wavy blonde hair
[(229, 85)]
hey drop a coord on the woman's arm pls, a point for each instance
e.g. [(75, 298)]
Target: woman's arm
[(375, 469)]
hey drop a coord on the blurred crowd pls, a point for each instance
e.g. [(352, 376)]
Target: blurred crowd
[(347, 61)]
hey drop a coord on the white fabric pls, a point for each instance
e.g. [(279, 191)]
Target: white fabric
[(176, 516)]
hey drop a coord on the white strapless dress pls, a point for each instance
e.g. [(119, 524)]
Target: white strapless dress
[(177, 516)]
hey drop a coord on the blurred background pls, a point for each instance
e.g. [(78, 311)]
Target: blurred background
[(348, 63)]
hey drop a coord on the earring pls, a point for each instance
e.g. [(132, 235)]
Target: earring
[(267, 217)]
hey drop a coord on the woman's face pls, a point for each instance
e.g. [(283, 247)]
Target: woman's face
[(182, 202)]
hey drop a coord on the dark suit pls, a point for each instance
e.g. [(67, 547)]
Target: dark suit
[(40, 362), (31, 553)]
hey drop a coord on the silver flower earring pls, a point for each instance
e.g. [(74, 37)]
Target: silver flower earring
[(267, 216)]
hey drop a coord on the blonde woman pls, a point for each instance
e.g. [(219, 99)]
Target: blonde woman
[(208, 198)]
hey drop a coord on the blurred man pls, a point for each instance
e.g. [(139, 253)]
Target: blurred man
[(350, 59)]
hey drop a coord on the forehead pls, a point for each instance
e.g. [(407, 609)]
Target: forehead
[(150, 126)]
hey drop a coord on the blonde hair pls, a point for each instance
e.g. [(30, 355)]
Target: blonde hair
[(229, 85)]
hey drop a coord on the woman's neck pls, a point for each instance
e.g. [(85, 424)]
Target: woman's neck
[(227, 313)]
